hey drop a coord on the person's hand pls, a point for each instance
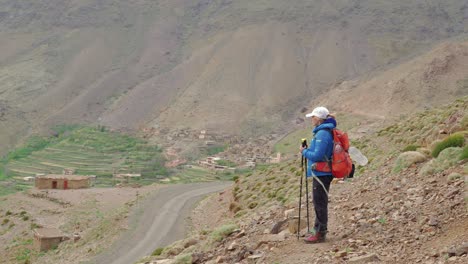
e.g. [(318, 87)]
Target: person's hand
[(301, 148)]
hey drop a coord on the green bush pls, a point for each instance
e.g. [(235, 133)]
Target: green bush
[(407, 159), (157, 252), (447, 158), (3, 175), (455, 140), (213, 150), (464, 154), (226, 163), (183, 259), (464, 122), (411, 148), (221, 232), (252, 205), (35, 143), (64, 129)]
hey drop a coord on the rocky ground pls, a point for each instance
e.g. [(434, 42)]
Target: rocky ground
[(390, 219), (398, 209)]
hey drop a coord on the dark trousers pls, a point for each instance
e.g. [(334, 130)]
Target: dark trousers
[(320, 198)]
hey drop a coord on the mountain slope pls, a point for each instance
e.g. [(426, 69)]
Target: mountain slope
[(416, 214), (172, 63), (434, 78)]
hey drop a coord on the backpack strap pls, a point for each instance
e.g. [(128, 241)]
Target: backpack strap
[(326, 158)]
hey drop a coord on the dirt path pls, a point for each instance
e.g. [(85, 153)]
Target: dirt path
[(157, 221)]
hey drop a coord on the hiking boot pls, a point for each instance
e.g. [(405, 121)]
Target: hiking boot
[(318, 237)]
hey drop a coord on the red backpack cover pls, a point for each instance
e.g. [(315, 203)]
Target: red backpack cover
[(341, 161), (341, 164)]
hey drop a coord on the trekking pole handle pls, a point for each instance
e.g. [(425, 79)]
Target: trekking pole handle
[(304, 143)]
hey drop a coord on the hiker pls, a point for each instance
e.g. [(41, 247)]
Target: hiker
[(318, 154)]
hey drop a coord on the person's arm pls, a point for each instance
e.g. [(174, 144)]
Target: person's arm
[(321, 144)]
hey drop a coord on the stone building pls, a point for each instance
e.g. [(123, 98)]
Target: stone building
[(47, 238), (127, 176), (63, 182)]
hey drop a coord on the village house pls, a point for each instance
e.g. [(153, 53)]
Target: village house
[(47, 238), (64, 182), (127, 176), (211, 163)]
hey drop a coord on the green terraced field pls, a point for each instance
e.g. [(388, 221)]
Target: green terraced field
[(89, 151)]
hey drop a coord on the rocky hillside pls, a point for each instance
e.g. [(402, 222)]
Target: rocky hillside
[(407, 206), (172, 63)]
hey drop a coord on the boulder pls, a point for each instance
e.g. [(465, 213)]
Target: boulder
[(459, 250), (278, 227), (292, 225), (364, 259)]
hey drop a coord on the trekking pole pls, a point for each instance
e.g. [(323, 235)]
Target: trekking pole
[(300, 198), (304, 144)]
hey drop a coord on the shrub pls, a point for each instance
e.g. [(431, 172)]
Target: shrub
[(223, 231), (215, 149), (382, 220), (252, 205), (447, 158), (281, 199), (240, 214), (157, 252), (454, 176), (227, 163), (234, 207), (183, 259), (406, 159), (411, 148), (464, 122), (455, 140), (464, 154), (34, 143)]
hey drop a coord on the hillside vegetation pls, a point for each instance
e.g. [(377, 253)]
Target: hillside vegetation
[(172, 63), (415, 213), (87, 150)]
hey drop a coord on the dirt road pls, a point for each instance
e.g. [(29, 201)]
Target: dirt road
[(157, 221)]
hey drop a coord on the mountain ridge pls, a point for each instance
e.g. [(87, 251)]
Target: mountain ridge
[(126, 64)]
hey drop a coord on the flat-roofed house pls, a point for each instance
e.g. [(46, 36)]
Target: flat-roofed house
[(54, 181)]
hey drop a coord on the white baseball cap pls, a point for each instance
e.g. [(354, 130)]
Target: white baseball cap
[(320, 112)]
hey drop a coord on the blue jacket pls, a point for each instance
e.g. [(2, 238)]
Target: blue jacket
[(320, 147)]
